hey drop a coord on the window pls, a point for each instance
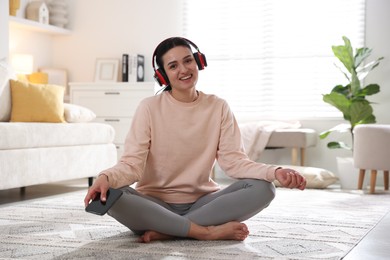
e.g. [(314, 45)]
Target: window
[(272, 58)]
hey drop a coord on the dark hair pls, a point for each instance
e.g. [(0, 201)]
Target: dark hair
[(164, 47)]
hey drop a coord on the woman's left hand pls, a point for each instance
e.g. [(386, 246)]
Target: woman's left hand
[(290, 178)]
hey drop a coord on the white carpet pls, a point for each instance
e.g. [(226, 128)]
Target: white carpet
[(313, 224)]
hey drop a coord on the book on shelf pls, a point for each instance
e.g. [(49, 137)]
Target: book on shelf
[(133, 68), (125, 68)]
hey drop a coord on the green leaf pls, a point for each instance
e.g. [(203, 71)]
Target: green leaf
[(339, 101), (361, 111), (341, 89), (345, 54), (370, 90), (338, 128), (324, 134), (361, 55), (355, 83), (369, 120), (337, 145), (363, 71)]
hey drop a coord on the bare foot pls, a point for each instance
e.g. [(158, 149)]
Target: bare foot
[(229, 231), (149, 236)]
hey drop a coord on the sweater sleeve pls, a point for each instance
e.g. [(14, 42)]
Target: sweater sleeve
[(231, 155), (131, 165)]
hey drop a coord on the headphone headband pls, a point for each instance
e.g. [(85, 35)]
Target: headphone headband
[(159, 74)]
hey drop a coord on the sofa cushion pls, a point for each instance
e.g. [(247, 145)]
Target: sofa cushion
[(34, 135), (37, 102), (78, 114), (6, 73)]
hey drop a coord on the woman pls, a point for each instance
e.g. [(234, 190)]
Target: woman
[(170, 151)]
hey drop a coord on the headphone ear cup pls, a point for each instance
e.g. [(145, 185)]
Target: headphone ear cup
[(161, 78), (200, 59)]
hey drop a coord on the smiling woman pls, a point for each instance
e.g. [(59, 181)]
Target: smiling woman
[(273, 58)]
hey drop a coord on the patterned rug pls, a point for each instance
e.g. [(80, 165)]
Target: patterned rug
[(313, 224)]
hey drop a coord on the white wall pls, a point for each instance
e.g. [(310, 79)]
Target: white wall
[(3, 29), (29, 42), (25, 41), (378, 38), (103, 28), (100, 29), (107, 29)]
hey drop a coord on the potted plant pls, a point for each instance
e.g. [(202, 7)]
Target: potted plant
[(350, 99)]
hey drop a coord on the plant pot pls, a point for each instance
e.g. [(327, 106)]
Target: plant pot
[(347, 173)]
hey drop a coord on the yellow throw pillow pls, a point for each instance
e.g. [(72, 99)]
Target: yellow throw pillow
[(37, 102), (38, 78)]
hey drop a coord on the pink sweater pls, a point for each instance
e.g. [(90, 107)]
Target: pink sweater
[(171, 148)]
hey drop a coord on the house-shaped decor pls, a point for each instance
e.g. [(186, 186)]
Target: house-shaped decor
[(38, 11)]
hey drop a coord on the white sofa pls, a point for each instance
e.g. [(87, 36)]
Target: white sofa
[(37, 153)]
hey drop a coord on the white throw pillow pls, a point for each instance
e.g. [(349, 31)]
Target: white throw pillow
[(316, 178), (77, 114), (6, 73)]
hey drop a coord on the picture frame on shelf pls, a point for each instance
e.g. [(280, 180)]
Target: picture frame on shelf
[(106, 70)]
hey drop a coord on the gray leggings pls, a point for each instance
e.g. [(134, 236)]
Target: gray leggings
[(237, 202)]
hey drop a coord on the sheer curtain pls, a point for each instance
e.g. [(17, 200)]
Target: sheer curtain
[(272, 58)]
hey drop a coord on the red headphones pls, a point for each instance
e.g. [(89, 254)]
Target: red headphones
[(159, 74)]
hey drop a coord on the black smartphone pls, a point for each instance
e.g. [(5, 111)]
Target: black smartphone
[(99, 207)]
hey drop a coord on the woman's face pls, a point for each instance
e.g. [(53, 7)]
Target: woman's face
[(181, 68)]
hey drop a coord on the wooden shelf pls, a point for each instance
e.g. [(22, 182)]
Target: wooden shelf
[(18, 22)]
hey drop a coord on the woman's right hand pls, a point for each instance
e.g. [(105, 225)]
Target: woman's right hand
[(101, 186)]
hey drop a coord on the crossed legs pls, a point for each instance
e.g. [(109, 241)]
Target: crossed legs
[(214, 216)]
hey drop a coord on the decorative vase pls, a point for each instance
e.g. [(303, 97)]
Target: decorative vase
[(14, 5), (58, 13), (347, 173)]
